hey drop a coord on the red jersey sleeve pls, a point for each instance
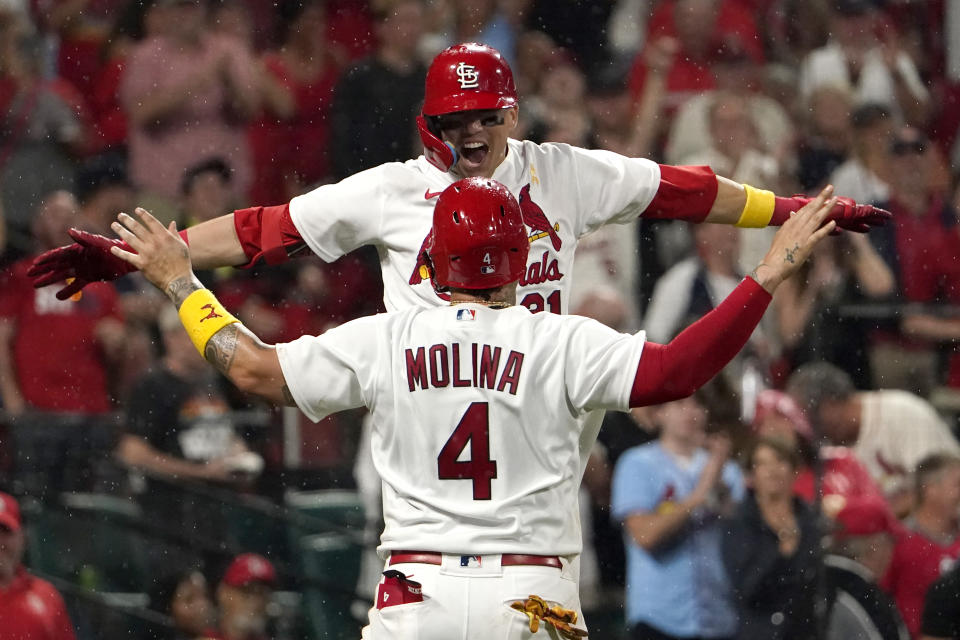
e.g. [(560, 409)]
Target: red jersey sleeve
[(267, 234), (684, 193), (677, 369)]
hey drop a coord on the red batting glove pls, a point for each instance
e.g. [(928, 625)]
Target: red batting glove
[(86, 260), (846, 213)]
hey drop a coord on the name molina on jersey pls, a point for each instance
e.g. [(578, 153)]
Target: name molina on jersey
[(439, 366)]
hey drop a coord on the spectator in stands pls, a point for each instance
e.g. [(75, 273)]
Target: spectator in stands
[(809, 322), (844, 480), (560, 108), (700, 28), (206, 190), (30, 608), (375, 102), (242, 598), (859, 555), (932, 545), (486, 21), (922, 247), (186, 91), (297, 83), (735, 72), (82, 29), (185, 597), (826, 136), (669, 495), (180, 430), (55, 358), (39, 131), (579, 27), (103, 191), (941, 608), (863, 176), (696, 285), (733, 147), (771, 549), (864, 54), (178, 420), (138, 21), (890, 431)]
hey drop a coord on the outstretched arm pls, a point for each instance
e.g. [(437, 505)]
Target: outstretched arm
[(675, 370), (245, 237), (697, 194), (162, 256)]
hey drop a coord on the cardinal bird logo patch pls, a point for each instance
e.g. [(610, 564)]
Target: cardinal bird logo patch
[(420, 270), (536, 219)]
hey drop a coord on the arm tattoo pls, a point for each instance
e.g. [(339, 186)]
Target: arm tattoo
[(179, 289), (288, 397), (222, 347), (791, 252)]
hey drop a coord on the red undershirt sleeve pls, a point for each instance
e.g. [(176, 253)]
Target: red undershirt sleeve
[(677, 369), (685, 193), (267, 234)]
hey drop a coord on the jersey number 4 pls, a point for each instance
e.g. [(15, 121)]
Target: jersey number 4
[(474, 428)]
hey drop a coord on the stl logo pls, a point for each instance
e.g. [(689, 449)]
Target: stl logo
[(467, 76)]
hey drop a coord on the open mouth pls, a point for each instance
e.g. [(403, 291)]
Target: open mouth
[(474, 152)]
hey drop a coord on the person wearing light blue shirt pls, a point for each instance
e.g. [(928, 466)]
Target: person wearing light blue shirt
[(669, 495)]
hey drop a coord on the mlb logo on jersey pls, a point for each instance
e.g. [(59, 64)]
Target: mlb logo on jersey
[(466, 314), (473, 562)]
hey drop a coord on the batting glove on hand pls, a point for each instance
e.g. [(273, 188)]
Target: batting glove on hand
[(86, 260), (846, 213)]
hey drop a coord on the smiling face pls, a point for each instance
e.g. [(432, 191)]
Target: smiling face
[(480, 138)]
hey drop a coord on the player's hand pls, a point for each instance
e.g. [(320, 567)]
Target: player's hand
[(86, 260), (796, 239), (161, 254)]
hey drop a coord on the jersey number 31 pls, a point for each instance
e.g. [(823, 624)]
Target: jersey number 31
[(474, 428)]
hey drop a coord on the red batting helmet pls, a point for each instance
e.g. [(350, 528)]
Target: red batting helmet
[(478, 239), (463, 77)]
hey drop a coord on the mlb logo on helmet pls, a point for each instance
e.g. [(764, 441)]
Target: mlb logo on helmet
[(487, 267)]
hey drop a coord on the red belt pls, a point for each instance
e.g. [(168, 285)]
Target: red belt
[(506, 559)]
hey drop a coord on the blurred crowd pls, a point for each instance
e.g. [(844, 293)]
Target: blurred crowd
[(705, 516)]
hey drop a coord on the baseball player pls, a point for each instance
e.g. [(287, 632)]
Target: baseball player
[(476, 405), (469, 112)]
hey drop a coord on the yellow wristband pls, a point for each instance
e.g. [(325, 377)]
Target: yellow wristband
[(202, 316), (758, 210)]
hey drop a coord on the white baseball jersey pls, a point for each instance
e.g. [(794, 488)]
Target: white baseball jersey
[(477, 417), (564, 193)]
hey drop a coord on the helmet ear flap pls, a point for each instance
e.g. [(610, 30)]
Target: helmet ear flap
[(432, 272), (440, 154)]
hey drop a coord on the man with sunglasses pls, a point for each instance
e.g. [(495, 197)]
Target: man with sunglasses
[(470, 110)]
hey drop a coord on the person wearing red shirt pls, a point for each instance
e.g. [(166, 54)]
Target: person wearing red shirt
[(55, 356), (845, 479), (30, 608), (298, 90), (932, 546), (700, 29), (53, 353), (922, 246)]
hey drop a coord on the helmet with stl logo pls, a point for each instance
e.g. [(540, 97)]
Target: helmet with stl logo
[(463, 77), (478, 240)]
